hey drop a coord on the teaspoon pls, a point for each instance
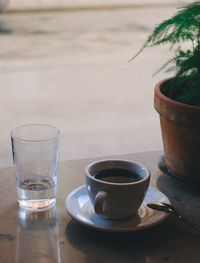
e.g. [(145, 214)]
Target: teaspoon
[(164, 207)]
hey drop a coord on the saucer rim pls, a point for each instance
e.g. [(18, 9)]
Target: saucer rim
[(115, 230)]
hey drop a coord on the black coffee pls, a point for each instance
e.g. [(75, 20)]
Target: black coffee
[(117, 175)]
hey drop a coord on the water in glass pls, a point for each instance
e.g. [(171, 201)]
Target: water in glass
[(36, 192)]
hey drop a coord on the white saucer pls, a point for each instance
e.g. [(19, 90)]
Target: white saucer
[(80, 208)]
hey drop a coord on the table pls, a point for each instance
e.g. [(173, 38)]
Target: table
[(53, 236)]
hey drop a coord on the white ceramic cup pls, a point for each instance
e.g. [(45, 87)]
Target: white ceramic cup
[(114, 200)]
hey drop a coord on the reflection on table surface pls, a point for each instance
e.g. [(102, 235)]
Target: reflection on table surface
[(37, 234)]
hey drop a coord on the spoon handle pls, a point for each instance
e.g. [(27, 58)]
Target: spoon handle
[(168, 208), (193, 225)]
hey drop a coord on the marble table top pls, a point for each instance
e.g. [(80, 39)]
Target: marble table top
[(53, 236)]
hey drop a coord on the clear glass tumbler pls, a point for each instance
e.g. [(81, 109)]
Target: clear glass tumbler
[(35, 159)]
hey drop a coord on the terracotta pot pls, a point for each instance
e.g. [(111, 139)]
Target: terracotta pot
[(180, 127)]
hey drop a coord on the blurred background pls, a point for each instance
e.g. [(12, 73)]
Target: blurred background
[(65, 63)]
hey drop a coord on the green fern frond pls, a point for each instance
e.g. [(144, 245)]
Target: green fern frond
[(184, 26), (181, 27)]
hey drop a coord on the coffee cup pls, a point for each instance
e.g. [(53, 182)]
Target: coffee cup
[(116, 188)]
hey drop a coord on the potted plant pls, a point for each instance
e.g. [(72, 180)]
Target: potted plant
[(177, 99)]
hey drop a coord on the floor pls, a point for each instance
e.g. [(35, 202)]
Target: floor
[(71, 69)]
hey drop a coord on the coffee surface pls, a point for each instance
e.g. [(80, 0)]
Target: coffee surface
[(117, 175)]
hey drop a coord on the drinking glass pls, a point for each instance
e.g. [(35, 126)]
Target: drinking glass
[(35, 159)]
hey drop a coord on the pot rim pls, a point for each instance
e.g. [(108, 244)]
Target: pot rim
[(172, 109), (164, 97)]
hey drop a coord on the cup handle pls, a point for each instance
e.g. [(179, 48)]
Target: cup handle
[(101, 203)]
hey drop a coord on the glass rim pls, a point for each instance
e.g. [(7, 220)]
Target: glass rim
[(35, 140)]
